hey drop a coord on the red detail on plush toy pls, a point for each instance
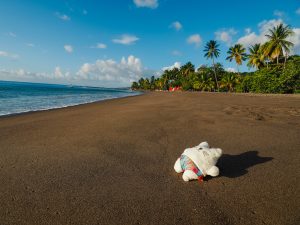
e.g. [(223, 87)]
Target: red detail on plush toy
[(200, 178)]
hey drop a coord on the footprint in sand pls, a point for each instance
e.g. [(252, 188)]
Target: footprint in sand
[(294, 112), (231, 110), (249, 112), (256, 116)]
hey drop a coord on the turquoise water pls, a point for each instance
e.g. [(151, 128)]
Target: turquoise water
[(19, 97)]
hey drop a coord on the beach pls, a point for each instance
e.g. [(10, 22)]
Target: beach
[(111, 162)]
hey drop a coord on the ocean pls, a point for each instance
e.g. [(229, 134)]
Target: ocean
[(19, 97)]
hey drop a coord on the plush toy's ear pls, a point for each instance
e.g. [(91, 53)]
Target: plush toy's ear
[(213, 171), (203, 145)]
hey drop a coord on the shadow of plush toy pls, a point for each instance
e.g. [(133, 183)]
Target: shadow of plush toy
[(233, 166)]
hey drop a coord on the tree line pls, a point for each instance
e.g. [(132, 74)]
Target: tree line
[(276, 70)]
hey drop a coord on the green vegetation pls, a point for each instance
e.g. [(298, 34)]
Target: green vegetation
[(276, 71), (211, 52), (238, 53)]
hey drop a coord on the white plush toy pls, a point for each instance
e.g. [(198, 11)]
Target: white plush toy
[(197, 162)]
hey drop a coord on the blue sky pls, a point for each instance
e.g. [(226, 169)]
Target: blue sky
[(113, 42)]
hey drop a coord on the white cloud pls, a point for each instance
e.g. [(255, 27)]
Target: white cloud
[(175, 65), (279, 13), (195, 39), (296, 40), (225, 35), (298, 11), (68, 48), (146, 3), (105, 73), (19, 75), (8, 55), (160, 72), (264, 26), (230, 69), (62, 16), (3, 54), (20, 72), (22, 75), (251, 38), (30, 45), (100, 46), (57, 72), (12, 34), (176, 25), (126, 39), (112, 73), (248, 30), (176, 53)]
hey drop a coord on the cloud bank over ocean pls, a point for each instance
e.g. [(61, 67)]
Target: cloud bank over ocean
[(106, 73)]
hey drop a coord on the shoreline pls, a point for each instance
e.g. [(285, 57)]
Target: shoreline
[(141, 92), (64, 107), (111, 162)]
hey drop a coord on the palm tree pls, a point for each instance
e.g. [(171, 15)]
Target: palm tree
[(264, 56), (229, 81), (206, 83), (135, 86), (159, 84), (187, 69), (211, 52), (141, 83), (277, 44), (152, 83), (256, 58), (237, 52), (146, 84)]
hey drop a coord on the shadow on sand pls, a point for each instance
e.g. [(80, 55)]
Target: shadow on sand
[(233, 166)]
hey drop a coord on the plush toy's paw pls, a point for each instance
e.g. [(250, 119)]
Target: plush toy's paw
[(177, 166), (218, 152), (189, 175), (213, 171)]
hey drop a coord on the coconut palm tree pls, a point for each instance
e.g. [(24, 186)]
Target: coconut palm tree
[(229, 81), (159, 84), (256, 57), (237, 53), (165, 79), (278, 44), (141, 83), (211, 52), (152, 83), (264, 56), (135, 86), (206, 83), (187, 69)]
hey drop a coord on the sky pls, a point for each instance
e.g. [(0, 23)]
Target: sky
[(111, 43)]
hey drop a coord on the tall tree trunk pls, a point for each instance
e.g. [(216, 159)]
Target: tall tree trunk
[(215, 75), (285, 58)]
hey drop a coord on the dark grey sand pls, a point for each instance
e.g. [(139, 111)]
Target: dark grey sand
[(112, 162)]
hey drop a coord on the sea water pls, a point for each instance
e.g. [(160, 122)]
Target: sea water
[(19, 97)]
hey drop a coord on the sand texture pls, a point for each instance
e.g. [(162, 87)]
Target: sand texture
[(112, 162)]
